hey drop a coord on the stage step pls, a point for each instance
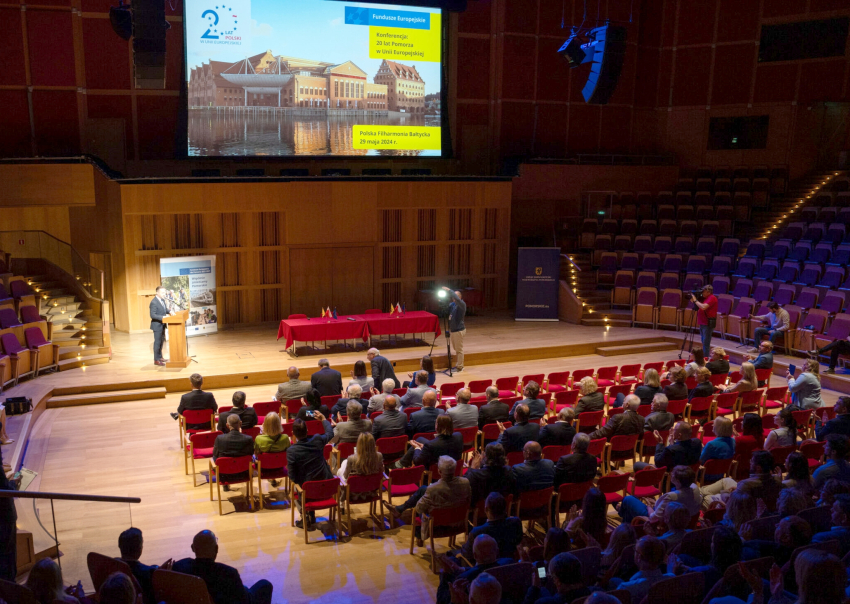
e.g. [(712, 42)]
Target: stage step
[(84, 361), (114, 396), (611, 351), (72, 351)]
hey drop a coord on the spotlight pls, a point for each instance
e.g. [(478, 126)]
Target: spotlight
[(441, 293)]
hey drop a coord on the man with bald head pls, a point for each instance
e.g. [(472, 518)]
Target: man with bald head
[(679, 450), (515, 437), (223, 582), (622, 424), (292, 389), (495, 410), (535, 473), (485, 552), (463, 414), (425, 420)]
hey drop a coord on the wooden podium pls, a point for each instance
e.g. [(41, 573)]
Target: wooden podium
[(177, 354)]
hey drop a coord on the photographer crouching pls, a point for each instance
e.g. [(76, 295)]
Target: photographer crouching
[(706, 315)]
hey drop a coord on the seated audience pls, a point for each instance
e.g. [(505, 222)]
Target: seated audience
[(425, 420), (365, 462), (311, 405), (515, 437), (740, 509), (483, 550), (505, 530), (786, 434), (560, 433), (622, 537), (45, 582), (835, 452), (495, 410), (413, 396), (391, 422), (536, 406), (591, 399), (485, 590), (622, 424), (494, 477), (246, 415), (704, 387), (463, 414), (762, 483), (676, 519), (117, 589), (773, 325), (831, 489), (223, 582), (764, 358), (791, 502), (798, 476), (360, 377), (819, 578), (305, 460), (426, 365), (130, 544), (565, 571), (685, 492), (424, 452), (556, 541), (717, 364), (232, 444), (579, 466), (748, 379), (676, 390), (695, 363), (679, 450), (293, 388), (805, 389), (722, 446), (354, 394), (351, 429), (659, 419), (726, 548), (839, 425), (196, 400), (271, 438), (535, 473), (327, 381), (751, 436), (649, 554), (644, 392), (376, 403), (840, 530), (790, 533), (591, 519)]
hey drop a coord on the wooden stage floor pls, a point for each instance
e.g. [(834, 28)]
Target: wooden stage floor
[(131, 449)]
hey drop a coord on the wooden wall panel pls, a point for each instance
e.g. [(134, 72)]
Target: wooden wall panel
[(310, 288), (48, 184), (352, 279)]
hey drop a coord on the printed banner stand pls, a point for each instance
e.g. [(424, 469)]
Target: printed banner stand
[(538, 272), (189, 284)]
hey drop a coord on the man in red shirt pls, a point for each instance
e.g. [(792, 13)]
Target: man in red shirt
[(706, 316)]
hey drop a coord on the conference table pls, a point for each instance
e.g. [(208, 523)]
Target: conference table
[(357, 327)]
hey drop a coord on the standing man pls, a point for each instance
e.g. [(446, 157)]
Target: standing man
[(706, 316), (326, 380), (158, 310), (457, 330), (382, 369), (778, 322)]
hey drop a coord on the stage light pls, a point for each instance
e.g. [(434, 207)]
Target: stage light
[(441, 293)]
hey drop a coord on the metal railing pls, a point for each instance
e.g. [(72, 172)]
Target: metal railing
[(40, 244)]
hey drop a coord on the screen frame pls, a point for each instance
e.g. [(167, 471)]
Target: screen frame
[(446, 152)]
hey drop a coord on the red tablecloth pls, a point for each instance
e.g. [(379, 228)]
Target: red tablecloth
[(320, 330)]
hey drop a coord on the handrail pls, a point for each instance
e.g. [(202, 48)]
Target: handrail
[(570, 260), (8, 493)]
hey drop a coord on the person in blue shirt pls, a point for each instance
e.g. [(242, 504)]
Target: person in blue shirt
[(839, 425), (427, 365), (840, 530), (836, 450), (722, 447), (457, 329)]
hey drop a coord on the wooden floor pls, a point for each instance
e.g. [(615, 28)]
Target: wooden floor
[(131, 449)]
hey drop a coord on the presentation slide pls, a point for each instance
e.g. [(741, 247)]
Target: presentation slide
[(313, 77)]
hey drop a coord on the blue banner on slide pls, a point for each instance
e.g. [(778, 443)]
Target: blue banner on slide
[(354, 15), (538, 273)]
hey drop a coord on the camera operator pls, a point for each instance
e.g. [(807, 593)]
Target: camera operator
[(706, 316)]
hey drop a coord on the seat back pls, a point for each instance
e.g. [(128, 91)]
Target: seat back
[(650, 477), (479, 385), (491, 431), (197, 416), (403, 476), (10, 343), (370, 483), (613, 482), (591, 561), (450, 389), (446, 517), (263, 409), (204, 440), (177, 588), (533, 500), (819, 518), (34, 337), (573, 491), (508, 383), (588, 419), (624, 442), (595, 447), (718, 466), (555, 452), (321, 489), (100, 567), (234, 465), (391, 445), (687, 587), (271, 461), (515, 580)]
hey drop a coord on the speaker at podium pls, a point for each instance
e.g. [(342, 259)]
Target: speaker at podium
[(178, 353)]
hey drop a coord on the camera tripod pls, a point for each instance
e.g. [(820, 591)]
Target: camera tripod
[(689, 339)]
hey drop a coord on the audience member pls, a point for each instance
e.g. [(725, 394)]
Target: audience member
[(805, 389), (271, 438), (717, 364), (483, 550), (232, 444), (774, 324), (591, 399), (117, 589), (351, 429), (536, 406), (327, 381), (798, 476), (695, 363), (835, 452), (622, 537), (676, 390), (485, 590), (391, 422), (623, 424), (791, 502), (740, 509), (676, 519), (515, 437), (722, 446), (751, 436), (311, 405), (463, 414), (831, 489), (535, 473), (505, 530), (293, 388), (360, 378), (246, 415), (376, 403), (762, 484), (649, 554), (495, 410), (644, 392), (130, 544), (560, 433), (704, 386), (726, 548), (426, 365), (786, 434), (578, 466), (425, 420), (840, 530), (764, 358), (790, 533), (592, 519), (424, 452), (748, 379), (45, 582), (196, 400), (353, 394), (565, 571), (305, 459), (494, 477), (839, 425), (367, 461), (413, 397), (684, 492), (679, 450), (382, 368), (659, 419), (223, 582)]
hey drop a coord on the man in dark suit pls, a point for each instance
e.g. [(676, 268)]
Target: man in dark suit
[(579, 466), (354, 393), (515, 437), (681, 449), (246, 415), (382, 369), (424, 452), (495, 410), (490, 473), (628, 422), (560, 433), (223, 582), (326, 380), (507, 531), (659, 419), (536, 406), (536, 473), (158, 311), (130, 544), (233, 444), (391, 422), (425, 420), (305, 459), (839, 425), (196, 400)]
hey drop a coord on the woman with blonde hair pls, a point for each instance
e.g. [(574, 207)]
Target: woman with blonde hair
[(271, 438), (45, 582), (591, 399), (677, 391), (740, 508), (365, 461), (748, 379), (646, 391), (704, 386), (805, 389)]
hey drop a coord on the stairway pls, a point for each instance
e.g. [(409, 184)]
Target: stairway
[(597, 302), (78, 332)]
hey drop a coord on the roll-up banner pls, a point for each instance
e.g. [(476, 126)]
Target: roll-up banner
[(538, 272), (189, 284)]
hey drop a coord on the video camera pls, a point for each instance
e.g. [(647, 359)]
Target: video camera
[(697, 293)]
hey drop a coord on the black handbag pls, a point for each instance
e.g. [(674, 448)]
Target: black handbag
[(18, 405)]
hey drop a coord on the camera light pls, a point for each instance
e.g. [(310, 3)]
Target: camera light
[(441, 293)]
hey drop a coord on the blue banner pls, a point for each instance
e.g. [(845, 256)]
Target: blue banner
[(538, 273), (387, 18)]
